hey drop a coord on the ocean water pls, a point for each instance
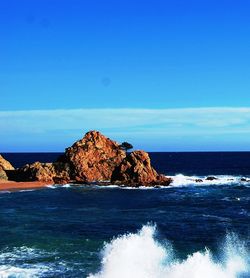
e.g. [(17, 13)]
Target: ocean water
[(188, 230)]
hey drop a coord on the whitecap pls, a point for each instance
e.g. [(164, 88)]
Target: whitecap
[(16, 263), (51, 186), (18, 272), (181, 180), (140, 255), (66, 185)]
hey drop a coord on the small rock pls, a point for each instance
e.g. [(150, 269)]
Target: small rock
[(3, 175), (5, 164), (198, 180), (245, 180), (56, 172), (211, 178)]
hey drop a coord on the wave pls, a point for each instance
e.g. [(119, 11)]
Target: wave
[(18, 262), (178, 180), (182, 180), (140, 255), (18, 272)]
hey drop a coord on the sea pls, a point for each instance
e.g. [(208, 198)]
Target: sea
[(199, 227)]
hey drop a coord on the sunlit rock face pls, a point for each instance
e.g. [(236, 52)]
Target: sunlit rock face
[(94, 157), (136, 170), (56, 172), (5, 165)]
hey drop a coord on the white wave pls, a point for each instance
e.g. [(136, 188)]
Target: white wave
[(4, 191), (140, 255), (182, 180), (16, 263), (51, 186), (18, 272), (66, 185)]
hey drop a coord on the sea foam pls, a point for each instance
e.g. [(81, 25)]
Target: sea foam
[(19, 262), (183, 180), (140, 255)]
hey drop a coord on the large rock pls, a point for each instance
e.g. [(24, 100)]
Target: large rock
[(136, 170), (46, 172), (94, 157), (4, 166)]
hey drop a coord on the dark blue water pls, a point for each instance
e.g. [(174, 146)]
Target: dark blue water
[(171, 163), (60, 232)]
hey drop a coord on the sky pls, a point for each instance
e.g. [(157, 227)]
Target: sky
[(163, 75)]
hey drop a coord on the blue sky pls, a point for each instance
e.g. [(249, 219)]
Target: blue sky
[(131, 69)]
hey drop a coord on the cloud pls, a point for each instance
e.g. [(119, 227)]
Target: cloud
[(42, 120), (143, 124)]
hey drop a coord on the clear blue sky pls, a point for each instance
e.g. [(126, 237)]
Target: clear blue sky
[(99, 54)]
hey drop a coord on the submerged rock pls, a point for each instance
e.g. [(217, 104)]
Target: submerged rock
[(94, 157), (46, 172), (136, 170)]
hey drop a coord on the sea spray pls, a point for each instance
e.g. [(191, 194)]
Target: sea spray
[(181, 180), (140, 255)]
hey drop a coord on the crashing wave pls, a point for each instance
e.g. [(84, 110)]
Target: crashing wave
[(182, 180), (140, 255)]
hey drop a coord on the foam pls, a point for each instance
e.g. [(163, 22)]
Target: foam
[(66, 185), (51, 186), (183, 180), (140, 255), (18, 272), (179, 180), (15, 263)]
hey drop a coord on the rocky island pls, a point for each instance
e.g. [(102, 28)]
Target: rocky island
[(94, 159)]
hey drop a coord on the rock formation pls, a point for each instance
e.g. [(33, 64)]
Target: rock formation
[(46, 172), (4, 166), (136, 170), (3, 175), (94, 157)]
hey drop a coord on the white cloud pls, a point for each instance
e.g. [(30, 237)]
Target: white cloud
[(42, 120), (143, 124)]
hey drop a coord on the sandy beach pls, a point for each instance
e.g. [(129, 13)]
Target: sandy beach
[(13, 186)]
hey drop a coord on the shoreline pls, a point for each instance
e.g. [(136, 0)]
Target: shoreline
[(13, 185)]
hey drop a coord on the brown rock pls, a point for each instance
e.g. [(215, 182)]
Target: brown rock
[(3, 175), (45, 172), (136, 170), (94, 157), (5, 165)]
